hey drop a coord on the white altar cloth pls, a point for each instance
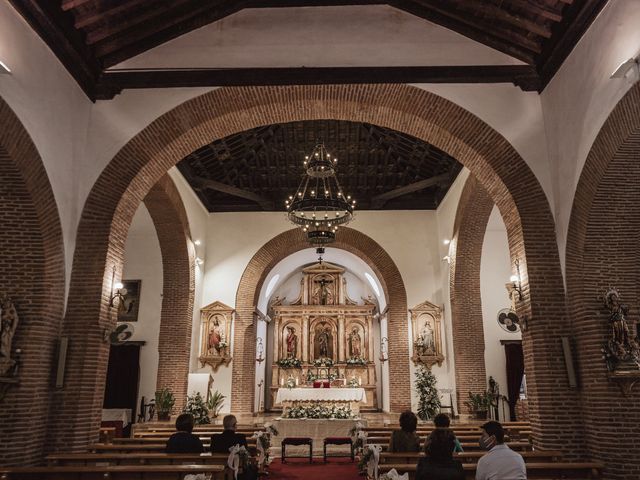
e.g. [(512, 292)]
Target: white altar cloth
[(117, 415), (321, 395)]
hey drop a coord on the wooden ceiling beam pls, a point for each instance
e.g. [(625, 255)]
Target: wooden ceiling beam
[(113, 82), (264, 202), (537, 9), (137, 40), (70, 4), (104, 15), (379, 200), (467, 29), (124, 23), (471, 22), (577, 19), (503, 16)]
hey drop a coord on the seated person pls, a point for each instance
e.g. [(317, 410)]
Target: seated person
[(222, 442), (441, 421), (500, 462), (439, 463), (406, 439), (183, 441)]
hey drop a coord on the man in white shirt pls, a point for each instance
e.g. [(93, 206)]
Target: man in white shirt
[(500, 462)]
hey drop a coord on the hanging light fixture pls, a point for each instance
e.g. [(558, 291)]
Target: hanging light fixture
[(320, 206)]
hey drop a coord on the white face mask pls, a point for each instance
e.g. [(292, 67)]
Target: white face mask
[(487, 442)]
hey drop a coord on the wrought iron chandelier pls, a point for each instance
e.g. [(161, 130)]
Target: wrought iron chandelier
[(320, 206)]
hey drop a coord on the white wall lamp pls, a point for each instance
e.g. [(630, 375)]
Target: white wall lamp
[(514, 287), (629, 70), (4, 70), (118, 292)]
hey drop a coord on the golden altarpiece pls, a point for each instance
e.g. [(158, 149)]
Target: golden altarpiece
[(324, 336)]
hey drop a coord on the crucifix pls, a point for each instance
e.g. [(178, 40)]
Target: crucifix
[(323, 282)]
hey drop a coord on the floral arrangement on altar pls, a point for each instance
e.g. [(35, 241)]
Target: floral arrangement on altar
[(263, 443), (289, 363), (356, 361), (291, 382), (318, 410), (323, 362), (353, 383)]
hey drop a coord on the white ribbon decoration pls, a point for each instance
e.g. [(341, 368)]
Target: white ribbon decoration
[(394, 475), (372, 464), (261, 453), (233, 462), (362, 435)]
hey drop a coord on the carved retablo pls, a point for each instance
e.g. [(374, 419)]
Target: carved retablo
[(324, 334), (215, 337)]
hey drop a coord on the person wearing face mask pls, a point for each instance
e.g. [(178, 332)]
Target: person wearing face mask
[(500, 462)]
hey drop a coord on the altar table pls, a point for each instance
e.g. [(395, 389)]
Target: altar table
[(353, 396)]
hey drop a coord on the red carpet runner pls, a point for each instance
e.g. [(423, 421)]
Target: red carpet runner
[(300, 469)]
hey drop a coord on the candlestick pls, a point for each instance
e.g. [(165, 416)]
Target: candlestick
[(296, 382), (282, 382), (359, 380)]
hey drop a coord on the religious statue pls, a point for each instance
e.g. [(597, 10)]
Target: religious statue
[(8, 326), (355, 343), (426, 342), (622, 346), (292, 343), (322, 294), (214, 337), (323, 343)]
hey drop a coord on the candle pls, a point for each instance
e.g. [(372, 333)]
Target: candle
[(296, 382), (282, 382), (359, 380)]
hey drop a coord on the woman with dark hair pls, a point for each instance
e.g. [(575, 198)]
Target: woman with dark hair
[(406, 439), (439, 463)]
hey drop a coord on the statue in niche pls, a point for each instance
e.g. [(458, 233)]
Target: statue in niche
[(8, 326), (292, 343), (355, 343), (426, 342), (622, 347), (215, 337), (323, 344), (322, 295)]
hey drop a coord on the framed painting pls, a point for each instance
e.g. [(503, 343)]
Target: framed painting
[(131, 301)]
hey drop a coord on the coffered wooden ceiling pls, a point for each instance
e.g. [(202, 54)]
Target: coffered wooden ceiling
[(91, 35), (258, 169)]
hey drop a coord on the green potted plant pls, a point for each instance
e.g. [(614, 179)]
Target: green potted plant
[(216, 400), (165, 400), (197, 407), (479, 404)]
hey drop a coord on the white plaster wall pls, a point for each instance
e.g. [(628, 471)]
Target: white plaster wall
[(581, 96), (495, 271), (143, 261), (319, 36)]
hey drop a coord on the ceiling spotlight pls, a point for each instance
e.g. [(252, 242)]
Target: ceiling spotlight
[(197, 243), (625, 67), (446, 241), (3, 68)]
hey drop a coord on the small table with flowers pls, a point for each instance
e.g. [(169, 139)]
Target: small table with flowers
[(346, 396)]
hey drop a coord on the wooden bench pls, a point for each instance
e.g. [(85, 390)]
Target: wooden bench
[(111, 472), (86, 459), (471, 457), (535, 470), (145, 448), (467, 446)]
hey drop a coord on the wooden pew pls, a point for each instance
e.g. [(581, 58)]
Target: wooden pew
[(87, 459), (146, 448), (112, 472), (471, 457), (467, 446), (535, 470)]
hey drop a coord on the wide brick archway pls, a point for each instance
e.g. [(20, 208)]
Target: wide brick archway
[(32, 266), (469, 229), (602, 251), (178, 287), (254, 276), (494, 162)]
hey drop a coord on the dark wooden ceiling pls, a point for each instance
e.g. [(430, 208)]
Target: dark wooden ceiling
[(258, 169), (91, 35)]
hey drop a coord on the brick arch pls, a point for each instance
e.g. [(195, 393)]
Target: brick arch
[(178, 286), (602, 251), (32, 266), (472, 217), (248, 292), (495, 163)]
